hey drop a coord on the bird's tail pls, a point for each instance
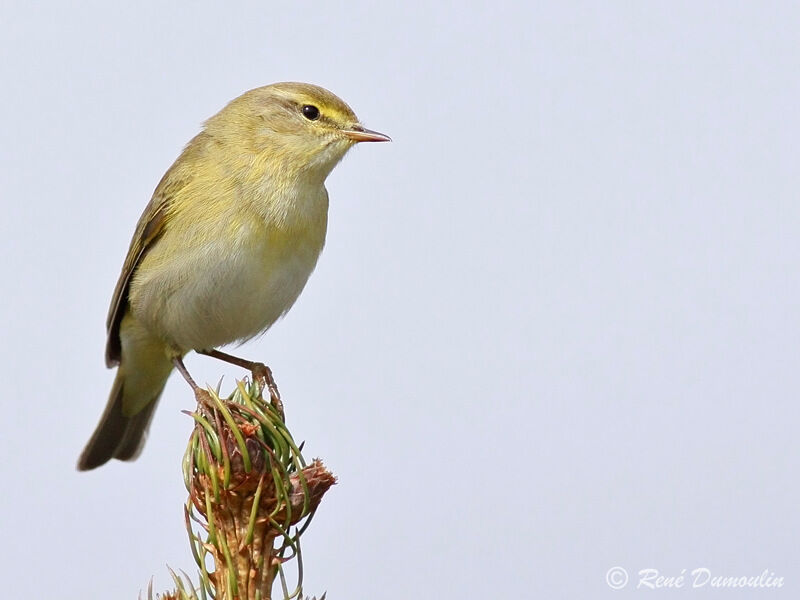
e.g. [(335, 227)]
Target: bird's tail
[(122, 429)]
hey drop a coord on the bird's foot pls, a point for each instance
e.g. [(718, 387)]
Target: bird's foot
[(262, 375), (203, 397)]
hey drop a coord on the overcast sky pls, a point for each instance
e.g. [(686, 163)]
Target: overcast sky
[(554, 329)]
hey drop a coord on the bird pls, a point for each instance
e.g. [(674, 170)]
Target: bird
[(224, 248)]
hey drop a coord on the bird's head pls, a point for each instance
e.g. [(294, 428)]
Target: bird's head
[(298, 127)]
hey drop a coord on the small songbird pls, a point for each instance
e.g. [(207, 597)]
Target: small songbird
[(224, 247)]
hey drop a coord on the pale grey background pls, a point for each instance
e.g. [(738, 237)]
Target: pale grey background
[(554, 329)]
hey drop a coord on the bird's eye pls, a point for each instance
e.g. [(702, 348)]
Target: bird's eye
[(310, 112)]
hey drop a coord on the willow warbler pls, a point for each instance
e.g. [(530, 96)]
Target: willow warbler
[(223, 249)]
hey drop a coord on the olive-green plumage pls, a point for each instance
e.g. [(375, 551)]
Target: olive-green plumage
[(225, 246)]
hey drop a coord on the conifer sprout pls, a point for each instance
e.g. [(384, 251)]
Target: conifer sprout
[(251, 497)]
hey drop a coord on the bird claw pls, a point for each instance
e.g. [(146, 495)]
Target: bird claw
[(203, 397), (262, 374)]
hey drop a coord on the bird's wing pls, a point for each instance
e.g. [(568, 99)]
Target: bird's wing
[(148, 230)]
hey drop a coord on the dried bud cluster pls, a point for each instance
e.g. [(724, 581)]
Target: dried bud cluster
[(250, 491)]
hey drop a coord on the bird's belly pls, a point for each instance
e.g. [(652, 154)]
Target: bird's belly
[(223, 295)]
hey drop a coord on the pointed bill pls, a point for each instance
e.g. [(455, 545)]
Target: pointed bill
[(360, 134)]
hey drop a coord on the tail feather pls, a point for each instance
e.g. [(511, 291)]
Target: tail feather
[(132, 442), (143, 371), (109, 432), (120, 435)]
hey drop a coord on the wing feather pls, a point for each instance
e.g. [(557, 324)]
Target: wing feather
[(148, 230)]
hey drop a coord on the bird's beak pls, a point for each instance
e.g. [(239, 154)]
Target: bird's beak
[(358, 133)]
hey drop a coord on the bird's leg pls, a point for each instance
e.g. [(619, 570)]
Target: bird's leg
[(261, 373), (199, 393)]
